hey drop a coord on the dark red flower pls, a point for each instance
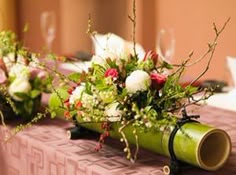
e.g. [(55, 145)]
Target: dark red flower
[(111, 72), (158, 80), (152, 55)]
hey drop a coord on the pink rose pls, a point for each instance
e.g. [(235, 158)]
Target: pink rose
[(36, 72), (3, 77), (33, 72), (158, 80), (111, 72), (42, 75), (152, 55)]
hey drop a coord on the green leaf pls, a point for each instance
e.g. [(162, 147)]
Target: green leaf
[(28, 106), (35, 93), (74, 76), (21, 95), (191, 89), (111, 63), (166, 65), (56, 101)]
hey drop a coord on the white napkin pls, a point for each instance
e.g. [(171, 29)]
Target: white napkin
[(106, 46), (224, 100), (113, 46), (76, 66)]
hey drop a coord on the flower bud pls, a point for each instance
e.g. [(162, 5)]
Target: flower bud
[(158, 80)]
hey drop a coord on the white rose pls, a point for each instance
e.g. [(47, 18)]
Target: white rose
[(137, 81), (76, 94), (9, 60), (19, 71), (113, 113), (19, 85)]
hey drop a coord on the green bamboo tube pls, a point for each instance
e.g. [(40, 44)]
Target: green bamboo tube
[(197, 144)]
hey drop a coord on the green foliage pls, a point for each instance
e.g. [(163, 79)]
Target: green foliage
[(8, 43), (25, 67), (56, 100), (75, 76)]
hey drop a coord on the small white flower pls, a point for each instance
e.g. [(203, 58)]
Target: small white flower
[(113, 113), (19, 71), (148, 124), (21, 59), (87, 100), (137, 81), (20, 86), (76, 94), (108, 96), (35, 63)]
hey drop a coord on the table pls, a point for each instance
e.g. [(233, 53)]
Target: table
[(45, 150)]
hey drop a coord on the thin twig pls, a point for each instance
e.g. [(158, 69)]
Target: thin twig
[(21, 127), (133, 20), (125, 139), (211, 49), (2, 118), (137, 144), (217, 33)]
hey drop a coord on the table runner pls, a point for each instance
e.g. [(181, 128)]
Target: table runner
[(45, 150)]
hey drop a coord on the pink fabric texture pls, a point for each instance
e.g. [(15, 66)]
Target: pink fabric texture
[(45, 150)]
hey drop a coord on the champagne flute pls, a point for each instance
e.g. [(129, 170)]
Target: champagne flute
[(48, 28), (165, 45)]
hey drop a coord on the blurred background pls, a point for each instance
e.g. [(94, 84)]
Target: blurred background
[(189, 24)]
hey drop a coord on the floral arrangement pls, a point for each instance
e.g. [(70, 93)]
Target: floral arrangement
[(22, 80), (130, 91)]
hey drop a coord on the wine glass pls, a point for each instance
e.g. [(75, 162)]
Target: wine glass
[(165, 45), (48, 28)]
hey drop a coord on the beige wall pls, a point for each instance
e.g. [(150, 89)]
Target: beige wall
[(107, 16), (29, 11), (8, 15), (191, 21)]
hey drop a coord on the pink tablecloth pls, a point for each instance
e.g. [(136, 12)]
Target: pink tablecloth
[(44, 150)]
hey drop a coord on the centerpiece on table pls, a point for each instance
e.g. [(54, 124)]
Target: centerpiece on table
[(130, 96), (22, 80)]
